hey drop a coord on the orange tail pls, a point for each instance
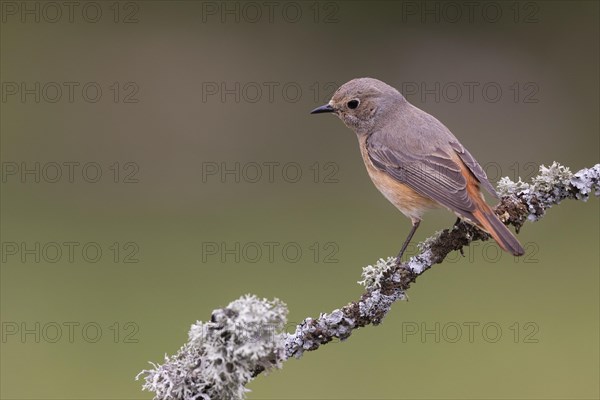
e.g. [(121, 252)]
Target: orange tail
[(485, 216), (492, 224)]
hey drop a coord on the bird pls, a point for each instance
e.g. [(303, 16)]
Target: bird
[(414, 160)]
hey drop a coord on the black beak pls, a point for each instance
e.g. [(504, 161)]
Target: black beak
[(323, 109)]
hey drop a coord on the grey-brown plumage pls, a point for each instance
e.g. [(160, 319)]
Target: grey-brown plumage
[(414, 160)]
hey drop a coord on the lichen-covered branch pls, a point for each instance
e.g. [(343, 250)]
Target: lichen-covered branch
[(222, 355), (246, 337)]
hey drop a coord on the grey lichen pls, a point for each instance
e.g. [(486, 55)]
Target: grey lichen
[(385, 283), (419, 263), (553, 185), (245, 339), (378, 304), (427, 243), (586, 181), (223, 355), (425, 259), (311, 333), (384, 288)]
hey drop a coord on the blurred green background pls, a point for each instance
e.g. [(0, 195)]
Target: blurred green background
[(166, 120)]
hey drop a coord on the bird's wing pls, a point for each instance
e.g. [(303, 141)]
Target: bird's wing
[(474, 167), (429, 169)]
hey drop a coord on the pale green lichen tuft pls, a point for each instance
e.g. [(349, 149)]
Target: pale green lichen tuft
[(373, 274), (507, 187)]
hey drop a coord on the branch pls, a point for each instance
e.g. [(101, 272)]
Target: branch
[(246, 338)]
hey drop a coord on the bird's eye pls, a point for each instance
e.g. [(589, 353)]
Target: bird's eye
[(352, 104)]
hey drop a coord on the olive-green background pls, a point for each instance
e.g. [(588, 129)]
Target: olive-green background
[(172, 132)]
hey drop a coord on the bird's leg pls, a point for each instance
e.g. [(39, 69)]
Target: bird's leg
[(415, 225)]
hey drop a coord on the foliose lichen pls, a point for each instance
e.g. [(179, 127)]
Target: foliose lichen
[(585, 181)]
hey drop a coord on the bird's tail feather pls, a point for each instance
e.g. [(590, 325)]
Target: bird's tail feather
[(492, 225)]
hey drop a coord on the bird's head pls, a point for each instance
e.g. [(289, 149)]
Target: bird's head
[(361, 102)]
